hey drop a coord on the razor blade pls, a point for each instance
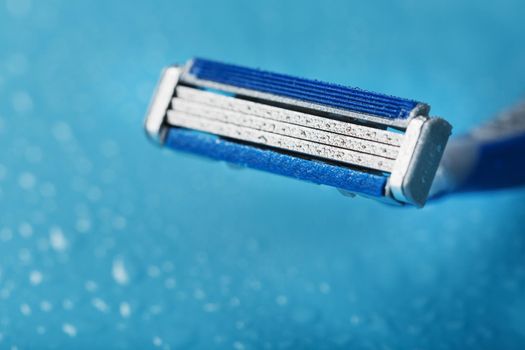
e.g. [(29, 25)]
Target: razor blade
[(360, 142)]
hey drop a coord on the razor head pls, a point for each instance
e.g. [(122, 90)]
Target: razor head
[(361, 142)]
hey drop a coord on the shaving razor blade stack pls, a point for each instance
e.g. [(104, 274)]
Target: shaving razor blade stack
[(361, 142)]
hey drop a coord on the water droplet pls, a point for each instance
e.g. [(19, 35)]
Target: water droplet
[(62, 132), (234, 302), (94, 193), (69, 329), (281, 300), (255, 284), (67, 304), (355, 320), (199, 294), (153, 271), (119, 222), (119, 272), (24, 255), (83, 225), (100, 305), (170, 283), (324, 288), (125, 309), (25, 309), (26, 180), (35, 277), (157, 341), (46, 306), (57, 239), (237, 345), (211, 307), (25, 229), (90, 286)]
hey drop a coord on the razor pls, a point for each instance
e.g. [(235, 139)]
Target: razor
[(361, 142)]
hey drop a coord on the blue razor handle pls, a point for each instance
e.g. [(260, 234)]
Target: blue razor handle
[(361, 142), (489, 157)]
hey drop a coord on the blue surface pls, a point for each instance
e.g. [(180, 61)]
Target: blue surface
[(109, 242), (314, 91), (317, 172)]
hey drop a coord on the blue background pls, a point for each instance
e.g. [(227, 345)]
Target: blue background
[(109, 242)]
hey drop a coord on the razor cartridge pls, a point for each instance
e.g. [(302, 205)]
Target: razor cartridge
[(360, 142)]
